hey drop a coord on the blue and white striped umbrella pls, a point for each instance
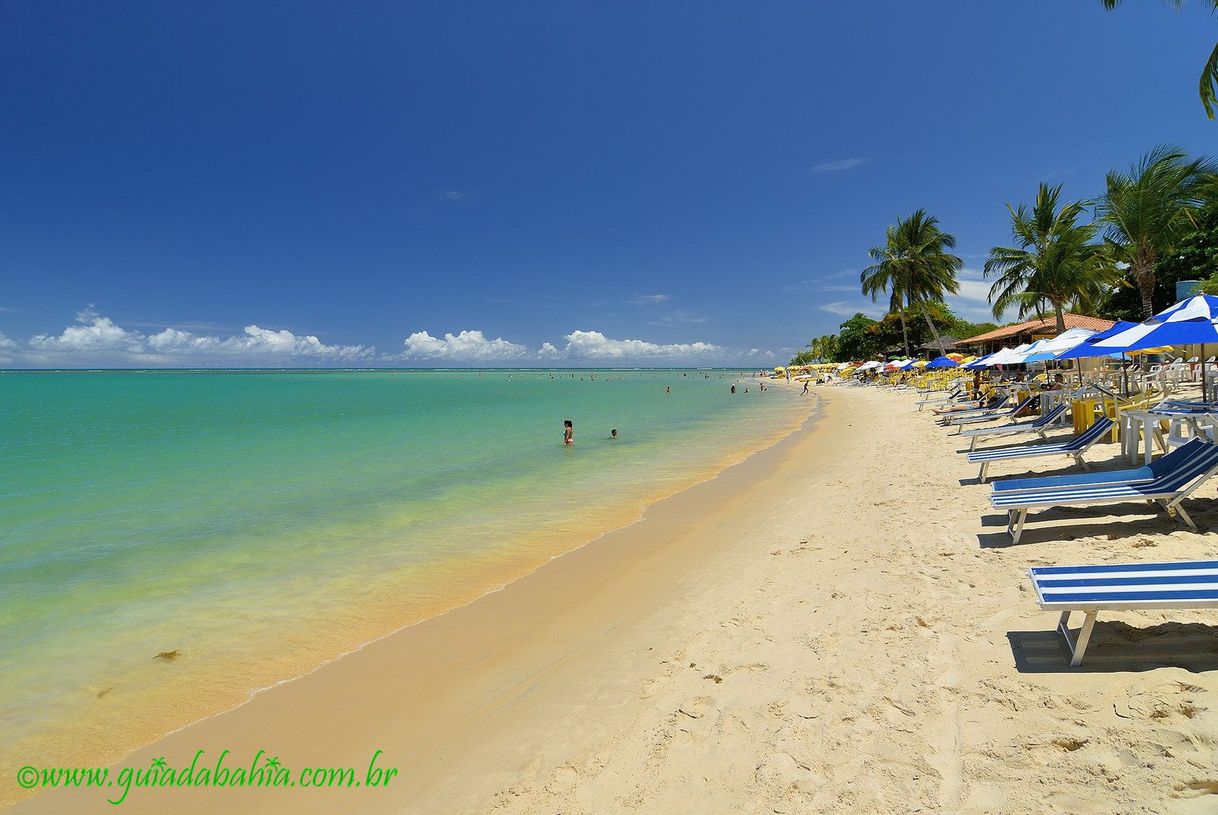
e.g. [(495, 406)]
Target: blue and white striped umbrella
[(1087, 348), (1189, 322)]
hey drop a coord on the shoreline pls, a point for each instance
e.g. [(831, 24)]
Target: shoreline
[(833, 625), (801, 417)]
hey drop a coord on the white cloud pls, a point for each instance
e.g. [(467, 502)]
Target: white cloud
[(595, 345), (94, 333), (844, 308), (973, 300), (644, 299), (679, 318), (451, 195), (466, 346), (98, 340), (839, 166)]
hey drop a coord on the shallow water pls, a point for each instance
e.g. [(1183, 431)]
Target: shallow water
[(261, 523)]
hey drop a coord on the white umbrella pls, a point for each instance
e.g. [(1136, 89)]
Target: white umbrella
[(1050, 348), (1007, 356)]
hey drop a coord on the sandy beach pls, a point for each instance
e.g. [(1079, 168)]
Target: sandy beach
[(837, 624)]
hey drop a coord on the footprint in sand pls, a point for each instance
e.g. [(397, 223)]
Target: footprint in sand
[(697, 707)]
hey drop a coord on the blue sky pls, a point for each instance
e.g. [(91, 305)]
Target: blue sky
[(567, 183)]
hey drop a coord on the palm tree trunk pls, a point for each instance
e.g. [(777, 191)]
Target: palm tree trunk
[(904, 333), (1144, 273), (1061, 317), (934, 332)]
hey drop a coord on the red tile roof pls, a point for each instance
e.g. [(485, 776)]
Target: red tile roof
[(1048, 324)]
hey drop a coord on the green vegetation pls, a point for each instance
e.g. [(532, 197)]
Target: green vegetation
[(914, 268), (1155, 224), (1054, 262), (1147, 211)]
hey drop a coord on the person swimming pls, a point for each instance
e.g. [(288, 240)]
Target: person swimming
[(613, 434), (568, 433)]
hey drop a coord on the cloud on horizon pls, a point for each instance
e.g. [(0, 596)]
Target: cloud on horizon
[(97, 341), (472, 346), (469, 346)]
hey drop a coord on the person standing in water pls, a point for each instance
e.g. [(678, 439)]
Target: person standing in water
[(733, 388), (613, 434), (568, 433)]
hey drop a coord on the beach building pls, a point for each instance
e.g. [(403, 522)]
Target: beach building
[(1028, 331)]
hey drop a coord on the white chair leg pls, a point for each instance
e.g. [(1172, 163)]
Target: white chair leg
[(1018, 530)]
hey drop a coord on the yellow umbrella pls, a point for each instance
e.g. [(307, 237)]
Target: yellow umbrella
[(954, 355), (922, 363), (1161, 349)]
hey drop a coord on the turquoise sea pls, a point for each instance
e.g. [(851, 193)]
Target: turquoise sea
[(259, 524)]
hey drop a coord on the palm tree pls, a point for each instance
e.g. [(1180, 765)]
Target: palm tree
[(886, 275), (1209, 74), (1146, 210), (823, 348), (1053, 263), (915, 267)]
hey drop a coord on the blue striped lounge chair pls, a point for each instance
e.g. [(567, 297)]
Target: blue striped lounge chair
[(1121, 587), (1038, 426), (1074, 446), (1166, 481)]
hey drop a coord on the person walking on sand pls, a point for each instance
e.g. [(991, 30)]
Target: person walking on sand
[(568, 433), (807, 382)]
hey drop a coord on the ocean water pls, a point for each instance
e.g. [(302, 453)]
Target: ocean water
[(262, 523)]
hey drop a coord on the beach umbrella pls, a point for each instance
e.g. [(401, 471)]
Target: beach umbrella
[(1047, 349), (942, 362), (1088, 347), (1192, 321), (1007, 356), (921, 363), (978, 363)]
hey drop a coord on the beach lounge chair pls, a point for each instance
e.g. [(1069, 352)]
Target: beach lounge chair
[(1121, 587), (1074, 446), (974, 417), (955, 394), (993, 403), (1038, 426), (1167, 482)]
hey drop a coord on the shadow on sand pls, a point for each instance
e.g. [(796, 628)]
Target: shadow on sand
[(1116, 646)]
